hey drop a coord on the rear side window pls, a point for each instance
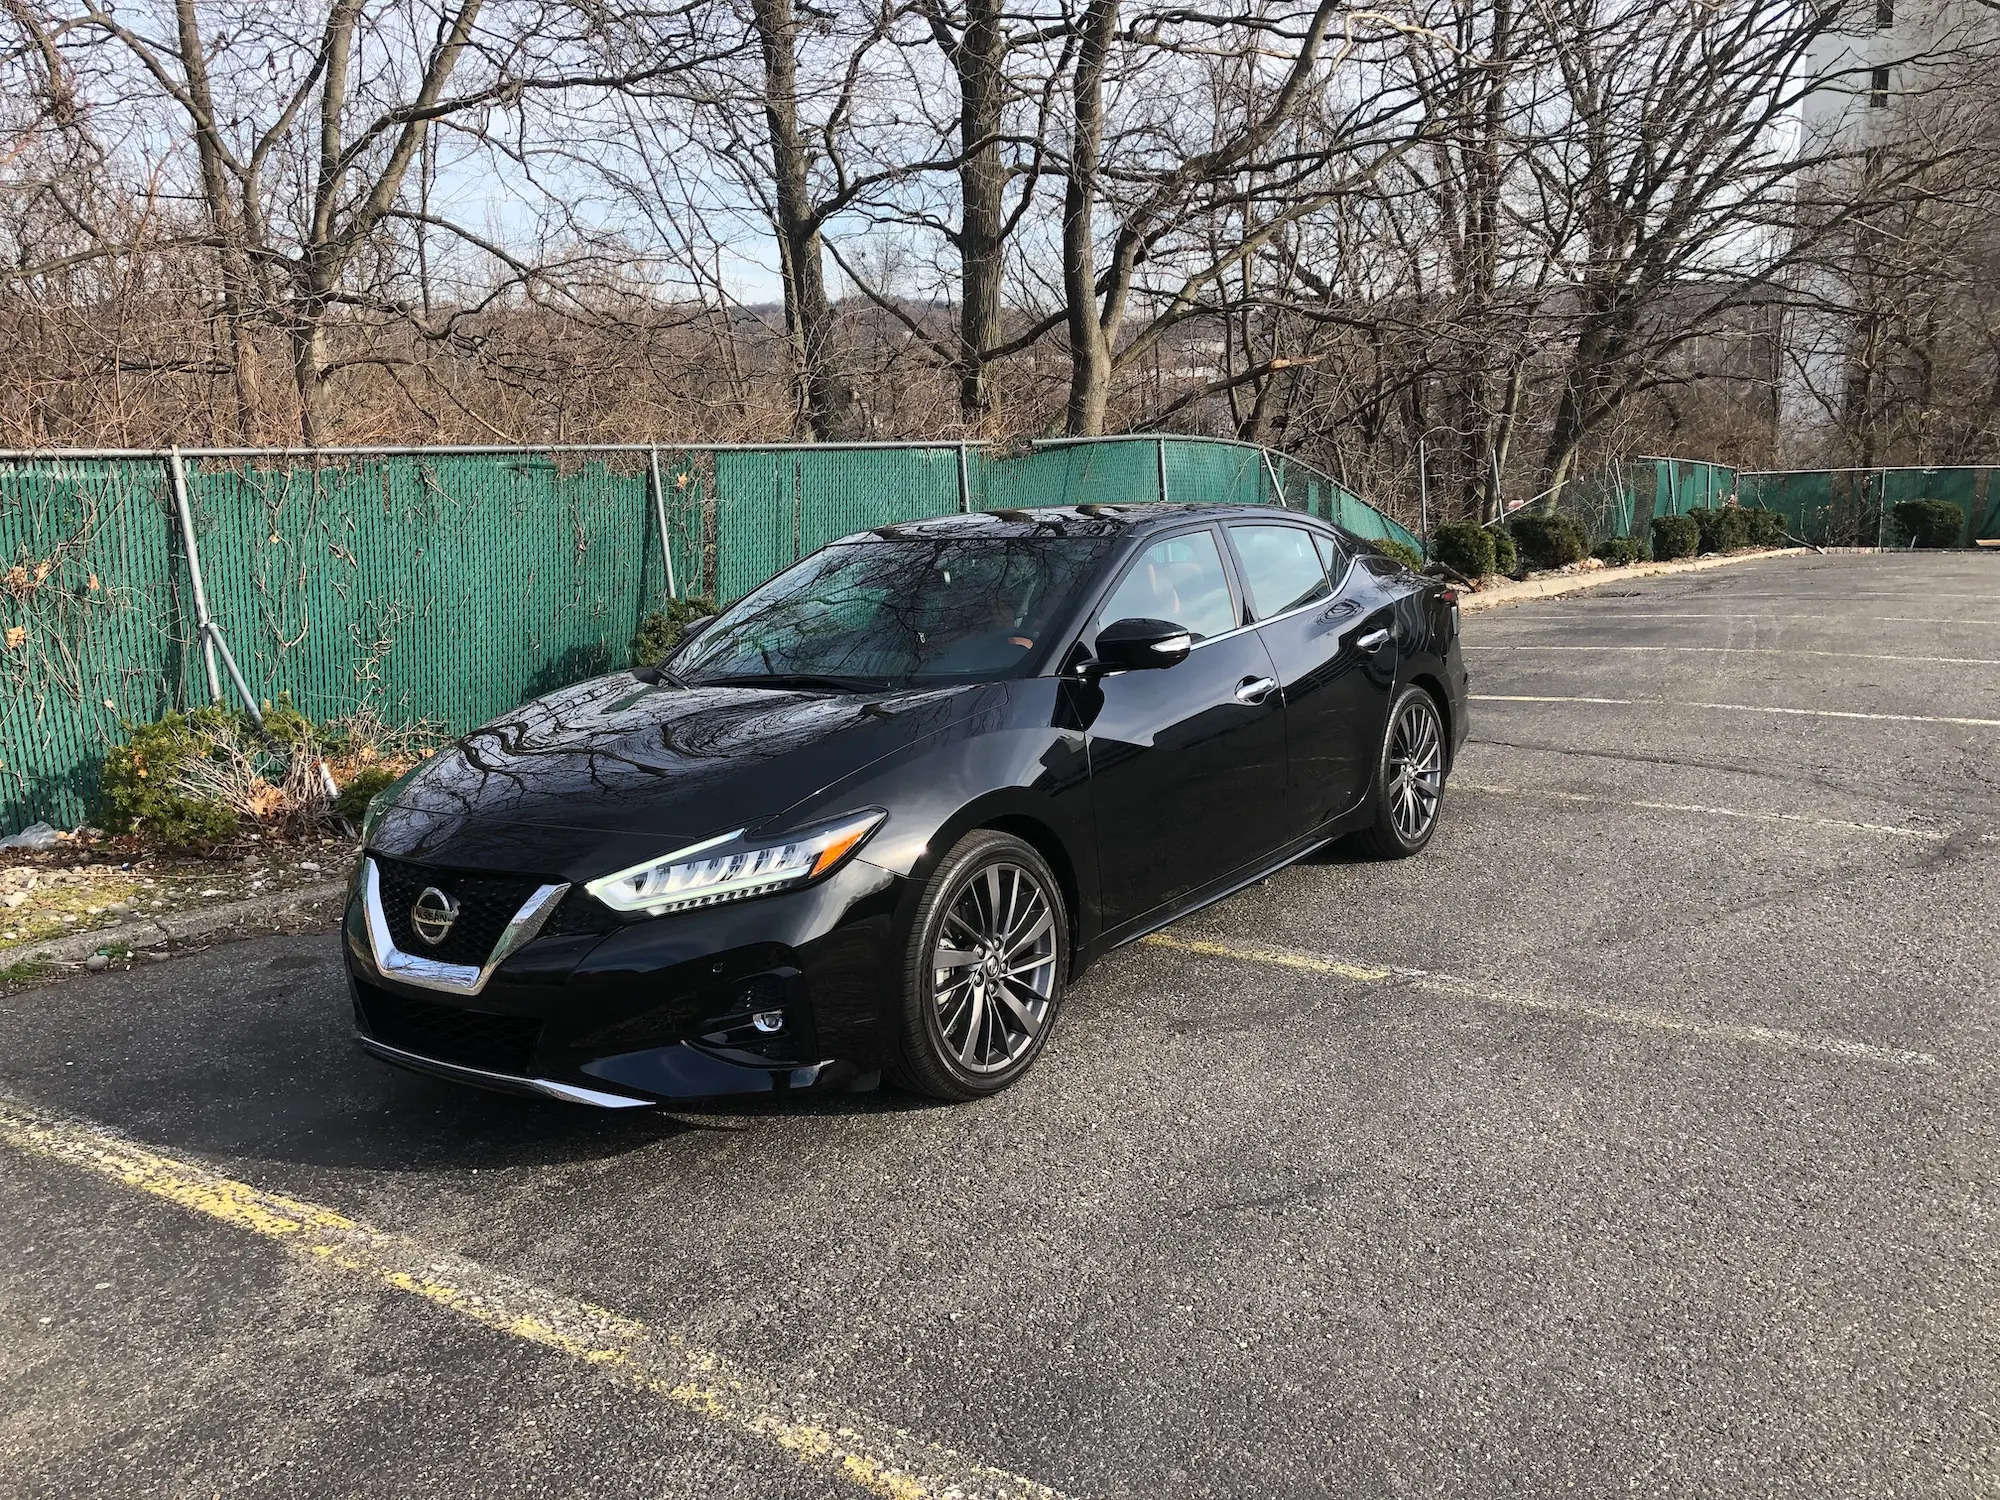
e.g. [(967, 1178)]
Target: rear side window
[(1178, 579), (1330, 555), (1281, 568)]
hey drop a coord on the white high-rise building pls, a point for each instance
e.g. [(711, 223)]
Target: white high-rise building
[(1873, 74)]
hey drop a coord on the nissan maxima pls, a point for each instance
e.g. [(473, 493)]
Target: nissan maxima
[(876, 817)]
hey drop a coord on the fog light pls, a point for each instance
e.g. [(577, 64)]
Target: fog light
[(769, 1020)]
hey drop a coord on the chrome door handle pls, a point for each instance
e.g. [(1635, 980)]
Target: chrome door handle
[(1373, 641), (1254, 689)]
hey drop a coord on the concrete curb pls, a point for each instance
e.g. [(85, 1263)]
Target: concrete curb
[(1575, 583), (76, 946)]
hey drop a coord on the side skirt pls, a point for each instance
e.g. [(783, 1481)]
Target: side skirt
[(1229, 885)]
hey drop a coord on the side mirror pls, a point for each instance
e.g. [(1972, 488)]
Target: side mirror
[(1140, 645), (694, 628)]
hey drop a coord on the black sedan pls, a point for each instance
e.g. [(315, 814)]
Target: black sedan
[(875, 817)]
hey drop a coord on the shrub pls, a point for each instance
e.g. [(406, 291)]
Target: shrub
[(1465, 547), (660, 631), (190, 781), (1506, 556), (1550, 541), (1675, 536), (1620, 551), (1722, 528), (142, 787), (1766, 527), (1402, 552), (1928, 523), (360, 790)]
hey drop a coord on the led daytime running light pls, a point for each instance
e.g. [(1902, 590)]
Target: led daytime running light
[(693, 876)]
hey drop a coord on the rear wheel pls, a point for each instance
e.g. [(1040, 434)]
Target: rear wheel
[(1409, 778), (984, 972)]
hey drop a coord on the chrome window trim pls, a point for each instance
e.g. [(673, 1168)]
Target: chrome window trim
[(1293, 523), (1092, 621), (554, 1089), (1309, 524), (1338, 586), (423, 973), (1303, 609)]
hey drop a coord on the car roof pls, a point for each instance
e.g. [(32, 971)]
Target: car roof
[(1107, 518)]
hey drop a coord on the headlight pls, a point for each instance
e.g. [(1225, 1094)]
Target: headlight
[(727, 869)]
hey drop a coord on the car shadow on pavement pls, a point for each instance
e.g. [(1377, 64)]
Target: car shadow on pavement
[(247, 1050)]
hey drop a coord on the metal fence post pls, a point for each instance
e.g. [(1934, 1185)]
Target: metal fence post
[(1277, 485), (177, 478), (1160, 462), (964, 484), (660, 518), (211, 633)]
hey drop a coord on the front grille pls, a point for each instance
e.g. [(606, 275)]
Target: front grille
[(486, 904), (450, 1033)]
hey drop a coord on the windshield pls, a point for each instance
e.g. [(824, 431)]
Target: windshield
[(879, 614)]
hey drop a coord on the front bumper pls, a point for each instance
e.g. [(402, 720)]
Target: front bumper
[(649, 1011)]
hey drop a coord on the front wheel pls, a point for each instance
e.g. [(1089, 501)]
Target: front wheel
[(1409, 778), (984, 972)]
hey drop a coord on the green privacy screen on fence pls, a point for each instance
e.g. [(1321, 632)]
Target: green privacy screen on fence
[(1826, 507), (1857, 507), (1621, 499), (447, 587)]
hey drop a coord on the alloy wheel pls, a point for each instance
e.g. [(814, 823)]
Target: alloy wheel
[(994, 968), (1416, 769)]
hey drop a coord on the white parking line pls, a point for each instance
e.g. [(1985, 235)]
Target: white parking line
[(1742, 708), (1457, 985), (1944, 661), (1612, 615), (1895, 594), (1752, 814)]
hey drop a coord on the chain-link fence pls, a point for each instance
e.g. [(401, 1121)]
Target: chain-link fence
[(1826, 507), (446, 585), (1857, 507)]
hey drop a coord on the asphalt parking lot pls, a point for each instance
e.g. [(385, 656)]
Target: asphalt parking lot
[(1636, 1139)]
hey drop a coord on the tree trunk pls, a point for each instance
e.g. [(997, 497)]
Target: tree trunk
[(238, 282), (1089, 338), (980, 58), (308, 373), (829, 397)]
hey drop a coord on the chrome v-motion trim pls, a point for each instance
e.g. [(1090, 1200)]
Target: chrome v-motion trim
[(422, 973)]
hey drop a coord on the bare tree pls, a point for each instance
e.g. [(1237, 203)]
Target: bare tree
[(339, 107), (1670, 168)]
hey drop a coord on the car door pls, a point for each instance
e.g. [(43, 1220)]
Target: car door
[(1328, 628), (1187, 763)]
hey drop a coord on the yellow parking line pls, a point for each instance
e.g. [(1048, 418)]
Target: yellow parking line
[(1284, 958), (880, 1459), (1621, 1015)]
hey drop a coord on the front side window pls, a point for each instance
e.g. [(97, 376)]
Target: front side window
[(1178, 579), (1281, 568), (908, 612)]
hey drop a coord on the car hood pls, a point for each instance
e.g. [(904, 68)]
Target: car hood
[(587, 775)]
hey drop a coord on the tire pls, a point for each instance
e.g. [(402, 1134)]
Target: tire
[(969, 1030), (1407, 806)]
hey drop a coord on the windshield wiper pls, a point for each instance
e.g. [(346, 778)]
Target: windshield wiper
[(653, 676), (827, 680)]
